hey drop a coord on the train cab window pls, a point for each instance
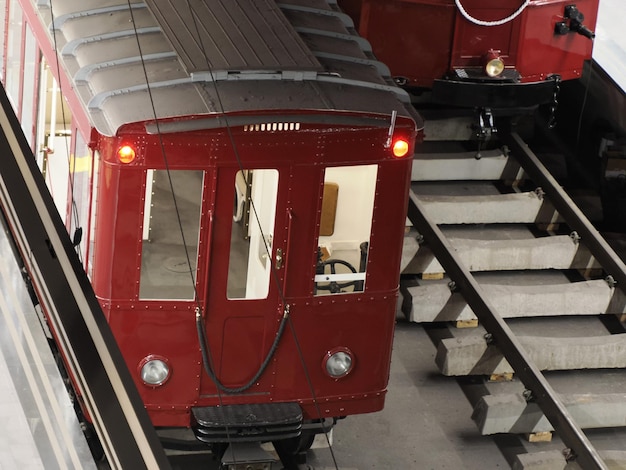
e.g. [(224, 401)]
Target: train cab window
[(252, 234), (170, 234), (344, 229)]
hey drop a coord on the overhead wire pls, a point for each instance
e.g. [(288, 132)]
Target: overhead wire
[(171, 186), (200, 324), (202, 335), (286, 318), (78, 231), (205, 350)]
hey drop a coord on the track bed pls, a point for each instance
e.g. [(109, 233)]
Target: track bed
[(521, 296)]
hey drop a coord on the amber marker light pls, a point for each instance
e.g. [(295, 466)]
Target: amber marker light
[(126, 154), (400, 148)]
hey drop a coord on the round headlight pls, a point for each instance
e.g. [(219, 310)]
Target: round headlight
[(154, 371), (494, 67), (493, 63), (338, 362)]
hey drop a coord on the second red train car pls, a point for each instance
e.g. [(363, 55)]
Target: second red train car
[(476, 52)]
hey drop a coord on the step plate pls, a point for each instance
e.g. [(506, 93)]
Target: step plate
[(249, 422)]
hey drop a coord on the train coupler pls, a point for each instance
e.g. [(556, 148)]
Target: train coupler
[(486, 127)]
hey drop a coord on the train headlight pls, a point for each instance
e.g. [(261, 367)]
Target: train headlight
[(338, 362), (494, 65), (154, 370)]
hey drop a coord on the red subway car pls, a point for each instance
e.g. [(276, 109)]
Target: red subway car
[(240, 181), (476, 52)]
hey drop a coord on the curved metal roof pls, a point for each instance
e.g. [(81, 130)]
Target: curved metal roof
[(168, 58)]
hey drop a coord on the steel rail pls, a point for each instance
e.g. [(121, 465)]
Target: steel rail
[(65, 294), (573, 216), (532, 378)]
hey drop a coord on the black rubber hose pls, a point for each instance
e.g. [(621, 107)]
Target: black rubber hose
[(207, 363)]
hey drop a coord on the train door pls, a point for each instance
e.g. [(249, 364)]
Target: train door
[(247, 255)]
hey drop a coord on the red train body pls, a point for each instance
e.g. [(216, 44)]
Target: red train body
[(243, 207), (450, 40), (240, 330)]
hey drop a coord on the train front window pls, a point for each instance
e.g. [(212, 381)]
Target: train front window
[(344, 229), (252, 234), (170, 234)]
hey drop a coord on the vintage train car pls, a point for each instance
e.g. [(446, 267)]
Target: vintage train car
[(235, 177), (488, 53)]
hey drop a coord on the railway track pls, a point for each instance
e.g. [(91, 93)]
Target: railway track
[(522, 297)]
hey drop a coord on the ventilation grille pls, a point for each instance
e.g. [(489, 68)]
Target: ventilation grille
[(272, 126)]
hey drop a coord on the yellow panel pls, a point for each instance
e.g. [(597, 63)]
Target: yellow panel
[(329, 209), (80, 164)]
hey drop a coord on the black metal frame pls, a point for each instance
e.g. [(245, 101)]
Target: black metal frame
[(494, 94), (65, 293)]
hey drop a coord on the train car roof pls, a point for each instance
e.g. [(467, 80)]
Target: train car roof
[(171, 58)]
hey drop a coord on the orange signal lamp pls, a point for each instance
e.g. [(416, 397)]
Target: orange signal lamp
[(400, 148), (126, 154)]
